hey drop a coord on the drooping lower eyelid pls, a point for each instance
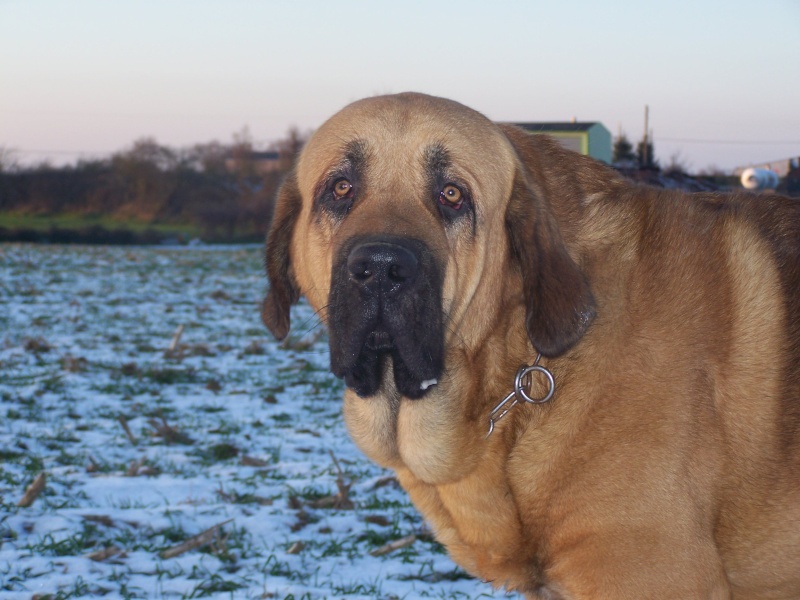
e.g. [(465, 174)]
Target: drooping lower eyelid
[(345, 196), (454, 205)]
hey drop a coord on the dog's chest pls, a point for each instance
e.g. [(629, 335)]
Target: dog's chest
[(456, 481), (477, 520)]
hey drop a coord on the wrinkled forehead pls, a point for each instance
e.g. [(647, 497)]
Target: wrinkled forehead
[(404, 132)]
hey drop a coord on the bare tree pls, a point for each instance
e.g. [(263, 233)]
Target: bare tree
[(9, 159), (289, 147), (677, 165), (209, 157), (241, 155), (147, 174)]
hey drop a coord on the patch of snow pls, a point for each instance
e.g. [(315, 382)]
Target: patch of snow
[(231, 428)]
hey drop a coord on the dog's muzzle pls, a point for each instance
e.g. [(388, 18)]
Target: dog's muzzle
[(385, 301)]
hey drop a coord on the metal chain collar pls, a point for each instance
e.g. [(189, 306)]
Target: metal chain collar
[(521, 381)]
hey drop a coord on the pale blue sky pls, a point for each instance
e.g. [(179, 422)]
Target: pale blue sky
[(91, 76)]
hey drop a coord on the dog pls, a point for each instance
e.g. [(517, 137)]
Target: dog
[(589, 387)]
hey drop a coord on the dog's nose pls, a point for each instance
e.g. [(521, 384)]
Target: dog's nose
[(382, 267)]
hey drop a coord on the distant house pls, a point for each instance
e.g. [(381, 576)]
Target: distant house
[(781, 166), (260, 162), (588, 138)]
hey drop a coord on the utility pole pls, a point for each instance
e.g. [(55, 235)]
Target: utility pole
[(645, 157)]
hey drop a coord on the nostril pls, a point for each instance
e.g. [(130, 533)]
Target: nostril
[(398, 273), (360, 270)]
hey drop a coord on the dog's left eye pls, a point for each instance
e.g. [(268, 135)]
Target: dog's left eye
[(342, 188), (451, 196)]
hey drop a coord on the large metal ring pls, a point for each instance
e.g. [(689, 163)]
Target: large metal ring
[(520, 390)]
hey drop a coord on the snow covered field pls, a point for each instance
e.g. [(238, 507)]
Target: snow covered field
[(230, 435)]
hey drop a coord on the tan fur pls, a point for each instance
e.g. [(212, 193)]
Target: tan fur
[(667, 465)]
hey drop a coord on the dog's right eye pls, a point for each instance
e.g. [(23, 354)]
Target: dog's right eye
[(342, 189), (336, 197)]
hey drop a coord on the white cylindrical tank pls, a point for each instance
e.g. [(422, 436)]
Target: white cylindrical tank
[(760, 179)]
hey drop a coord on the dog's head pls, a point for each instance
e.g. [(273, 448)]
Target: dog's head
[(405, 222)]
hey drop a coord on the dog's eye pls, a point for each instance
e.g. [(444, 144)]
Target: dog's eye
[(451, 196), (342, 188)]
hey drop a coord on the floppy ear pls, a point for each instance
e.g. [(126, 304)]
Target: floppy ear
[(283, 290), (559, 303)]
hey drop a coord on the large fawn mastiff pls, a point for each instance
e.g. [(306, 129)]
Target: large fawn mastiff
[(590, 388)]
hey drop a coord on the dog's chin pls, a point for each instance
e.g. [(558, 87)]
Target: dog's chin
[(369, 375)]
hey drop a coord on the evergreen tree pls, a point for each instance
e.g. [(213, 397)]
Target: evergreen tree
[(623, 149), (649, 161)]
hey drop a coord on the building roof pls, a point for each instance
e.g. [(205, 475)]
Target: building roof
[(551, 126)]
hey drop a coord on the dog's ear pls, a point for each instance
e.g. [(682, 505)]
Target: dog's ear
[(283, 291), (559, 302)]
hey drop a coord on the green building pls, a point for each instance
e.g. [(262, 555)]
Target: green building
[(590, 139)]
